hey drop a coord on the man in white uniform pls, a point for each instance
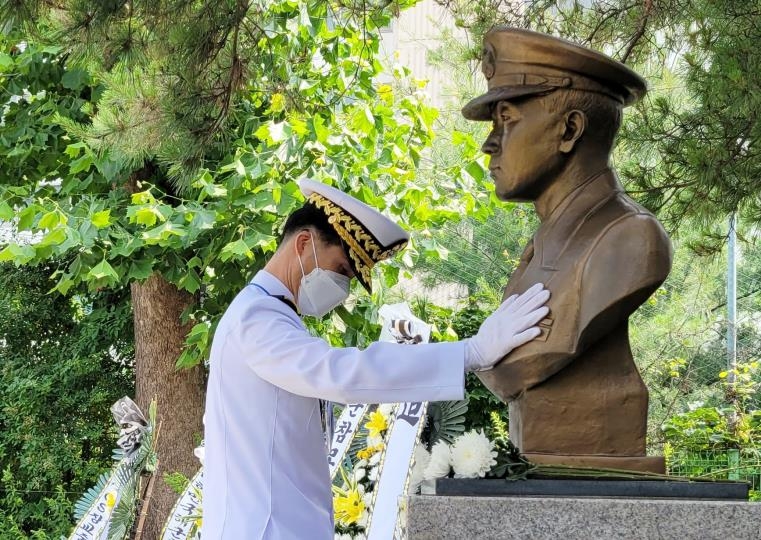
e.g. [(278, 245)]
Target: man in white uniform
[(265, 468)]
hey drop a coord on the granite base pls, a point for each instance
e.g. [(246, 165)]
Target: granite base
[(430, 517)]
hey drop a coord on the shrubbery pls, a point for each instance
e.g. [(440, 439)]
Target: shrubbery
[(63, 362)]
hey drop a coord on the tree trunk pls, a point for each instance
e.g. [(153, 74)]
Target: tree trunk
[(159, 338)]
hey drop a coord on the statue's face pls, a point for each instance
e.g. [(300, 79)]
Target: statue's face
[(524, 148)]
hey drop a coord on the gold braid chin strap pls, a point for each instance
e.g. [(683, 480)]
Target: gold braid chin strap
[(363, 248)]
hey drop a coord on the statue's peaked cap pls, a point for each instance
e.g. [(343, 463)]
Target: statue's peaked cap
[(519, 62)]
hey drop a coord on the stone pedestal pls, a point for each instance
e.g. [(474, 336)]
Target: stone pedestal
[(490, 518)]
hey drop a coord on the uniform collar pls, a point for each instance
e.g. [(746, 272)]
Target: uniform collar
[(558, 231), (272, 285)]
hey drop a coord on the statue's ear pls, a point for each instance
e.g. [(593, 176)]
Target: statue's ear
[(575, 123)]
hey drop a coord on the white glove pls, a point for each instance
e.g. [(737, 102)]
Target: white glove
[(510, 326)]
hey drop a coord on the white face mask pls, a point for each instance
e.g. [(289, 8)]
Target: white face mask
[(321, 290)]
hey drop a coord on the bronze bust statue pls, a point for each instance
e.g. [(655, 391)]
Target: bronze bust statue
[(575, 395)]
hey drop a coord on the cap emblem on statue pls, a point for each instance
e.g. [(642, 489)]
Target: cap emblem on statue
[(368, 236)]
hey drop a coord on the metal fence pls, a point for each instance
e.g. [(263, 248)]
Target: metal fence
[(729, 464)]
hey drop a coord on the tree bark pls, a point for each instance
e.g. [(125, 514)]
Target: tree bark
[(159, 338)]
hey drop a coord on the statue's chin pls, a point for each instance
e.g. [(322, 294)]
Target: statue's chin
[(513, 194)]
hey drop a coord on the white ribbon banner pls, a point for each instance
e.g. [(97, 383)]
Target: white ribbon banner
[(95, 523), (184, 520), (345, 430), (396, 465), (402, 326)]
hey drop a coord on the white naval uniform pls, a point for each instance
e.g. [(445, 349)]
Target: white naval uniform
[(265, 468)]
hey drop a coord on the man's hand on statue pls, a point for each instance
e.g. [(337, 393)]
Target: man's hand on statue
[(510, 326)]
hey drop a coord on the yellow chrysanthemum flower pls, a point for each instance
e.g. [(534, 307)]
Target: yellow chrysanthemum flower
[(367, 453), (377, 424), (348, 508), (110, 499)]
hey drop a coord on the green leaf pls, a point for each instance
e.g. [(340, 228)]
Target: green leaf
[(190, 282), (74, 79), (140, 269), (73, 150), (49, 220), (236, 250), (103, 270), (26, 218), (18, 254), (162, 234), (54, 238), (6, 62), (81, 164), (101, 219), (146, 215), (6, 212)]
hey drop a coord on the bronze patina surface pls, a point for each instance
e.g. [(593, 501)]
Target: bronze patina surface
[(575, 394)]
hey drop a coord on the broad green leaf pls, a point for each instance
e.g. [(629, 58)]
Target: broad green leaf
[(147, 215), (73, 150), (54, 238), (102, 270), (203, 219), (143, 197), (26, 217), (101, 219), (18, 254), (163, 234), (49, 220), (80, 164), (236, 250), (6, 212), (140, 269), (75, 79), (6, 62), (190, 282)]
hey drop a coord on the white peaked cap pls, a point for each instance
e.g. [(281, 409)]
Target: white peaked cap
[(368, 235)]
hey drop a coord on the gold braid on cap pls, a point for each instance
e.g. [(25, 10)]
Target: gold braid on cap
[(364, 250)]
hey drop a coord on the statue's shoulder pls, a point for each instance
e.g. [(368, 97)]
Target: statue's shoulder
[(620, 218), (629, 242)]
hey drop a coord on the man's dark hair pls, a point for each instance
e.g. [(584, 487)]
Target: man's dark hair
[(306, 217)]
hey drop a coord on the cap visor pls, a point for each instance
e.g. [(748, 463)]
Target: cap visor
[(480, 108)]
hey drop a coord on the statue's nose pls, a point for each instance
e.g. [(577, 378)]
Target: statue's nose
[(491, 144)]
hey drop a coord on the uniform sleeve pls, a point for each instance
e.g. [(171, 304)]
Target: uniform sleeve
[(281, 351)]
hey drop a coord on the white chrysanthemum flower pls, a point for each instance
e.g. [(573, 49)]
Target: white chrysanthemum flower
[(373, 474), (422, 457), (359, 474), (367, 498), (439, 463), (473, 455), (386, 409), (359, 536), (200, 453), (374, 441), (362, 463), (375, 459), (363, 518)]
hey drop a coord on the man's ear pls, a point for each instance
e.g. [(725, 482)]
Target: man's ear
[(301, 241), (575, 122)]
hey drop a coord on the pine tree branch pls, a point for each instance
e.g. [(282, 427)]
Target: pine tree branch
[(640, 31)]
